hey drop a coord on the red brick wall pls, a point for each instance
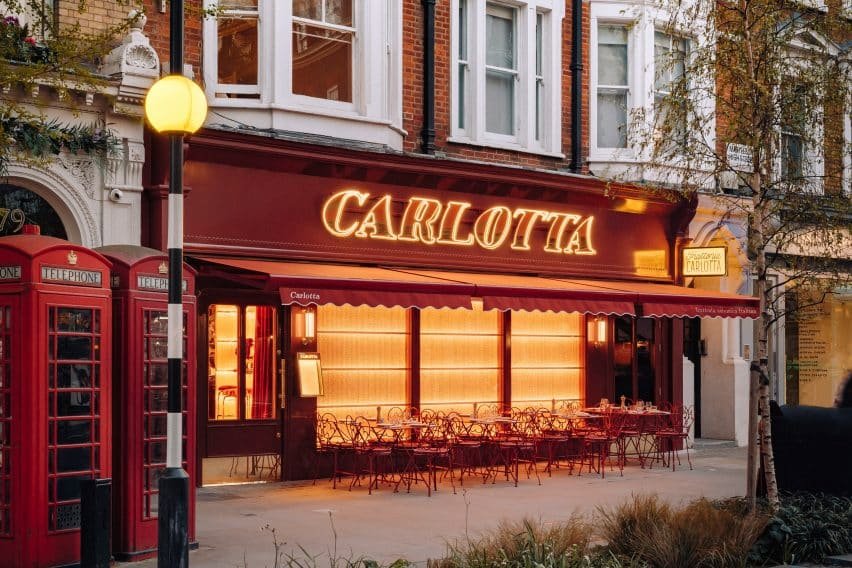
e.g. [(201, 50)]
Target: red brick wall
[(412, 31), (157, 30)]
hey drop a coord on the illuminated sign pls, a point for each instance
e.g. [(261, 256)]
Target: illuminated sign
[(706, 261), (71, 276), (10, 272), (353, 213)]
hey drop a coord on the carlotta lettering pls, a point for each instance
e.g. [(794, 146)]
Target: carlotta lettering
[(355, 214)]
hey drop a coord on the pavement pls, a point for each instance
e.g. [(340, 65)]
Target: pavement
[(235, 521)]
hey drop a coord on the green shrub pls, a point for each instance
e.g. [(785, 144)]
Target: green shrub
[(806, 528), (526, 544)]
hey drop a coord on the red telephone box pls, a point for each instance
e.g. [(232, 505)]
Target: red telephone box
[(55, 399), (139, 282)]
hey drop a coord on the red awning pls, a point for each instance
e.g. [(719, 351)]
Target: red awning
[(531, 293), (305, 283), (313, 283), (667, 300)]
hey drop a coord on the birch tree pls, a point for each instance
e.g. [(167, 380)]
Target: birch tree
[(754, 111)]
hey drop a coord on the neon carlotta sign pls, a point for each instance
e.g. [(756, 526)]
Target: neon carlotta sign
[(355, 214)]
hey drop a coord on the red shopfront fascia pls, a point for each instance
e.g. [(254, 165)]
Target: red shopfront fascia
[(329, 225), (55, 394), (139, 282)]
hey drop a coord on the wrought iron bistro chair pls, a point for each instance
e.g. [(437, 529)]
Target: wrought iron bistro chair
[(667, 440), (331, 442), (597, 446), (372, 459)]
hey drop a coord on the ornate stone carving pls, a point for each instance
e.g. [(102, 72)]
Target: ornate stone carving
[(141, 56), (82, 171), (136, 64)]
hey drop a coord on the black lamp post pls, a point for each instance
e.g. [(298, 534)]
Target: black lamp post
[(175, 106)]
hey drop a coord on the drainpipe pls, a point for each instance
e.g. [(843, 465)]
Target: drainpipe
[(427, 135), (576, 86)]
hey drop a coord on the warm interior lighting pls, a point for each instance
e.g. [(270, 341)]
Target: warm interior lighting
[(601, 324), (596, 330), (547, 359), (459, 358), (175, 105), (223, 368), (365, 365), (305, 325)]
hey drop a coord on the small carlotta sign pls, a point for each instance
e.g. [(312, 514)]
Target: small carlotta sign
[(10, 272), (73, 276), (705, 261)]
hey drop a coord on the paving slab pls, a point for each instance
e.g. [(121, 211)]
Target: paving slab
[(234, 522)]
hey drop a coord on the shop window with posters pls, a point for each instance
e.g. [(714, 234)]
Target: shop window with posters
[(241, 362)]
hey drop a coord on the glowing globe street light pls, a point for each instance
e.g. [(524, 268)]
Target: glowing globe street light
[(175, 106)]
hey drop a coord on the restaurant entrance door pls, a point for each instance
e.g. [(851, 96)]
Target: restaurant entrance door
[(636, 359), (242, 431)]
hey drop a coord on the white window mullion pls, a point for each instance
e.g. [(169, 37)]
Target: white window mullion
[(478, 70), (525, 99), (279, 13)]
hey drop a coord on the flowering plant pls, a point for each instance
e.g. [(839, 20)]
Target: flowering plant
[(17, 44)]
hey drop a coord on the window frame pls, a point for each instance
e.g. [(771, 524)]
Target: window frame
[(643, 22), (628, 89), (541, 136), (230, 89), (375, 115)]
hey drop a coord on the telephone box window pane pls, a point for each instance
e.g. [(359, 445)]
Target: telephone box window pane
[(73, 404), (73, 432), (74, 319), (157, 426), (73, 459), (158, 348), (71, 376), (158, 374), (68, 488), (74, 348), (157, 400), (158, 323)]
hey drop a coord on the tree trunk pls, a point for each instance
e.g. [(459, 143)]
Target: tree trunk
[(759, 391)]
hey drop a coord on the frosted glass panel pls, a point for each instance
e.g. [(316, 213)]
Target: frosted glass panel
[(459, 358), (547, 358), (364, 355)]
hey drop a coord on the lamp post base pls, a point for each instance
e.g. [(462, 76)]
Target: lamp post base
[(173, 519)]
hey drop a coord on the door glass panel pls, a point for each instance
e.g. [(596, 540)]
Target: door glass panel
[(259, 362), (645, 359), (623, 358), (223, 363)]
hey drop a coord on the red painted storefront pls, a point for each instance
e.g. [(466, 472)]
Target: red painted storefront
[(280, 229)]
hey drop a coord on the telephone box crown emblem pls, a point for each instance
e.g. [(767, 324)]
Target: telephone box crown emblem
[(72, 258), (163, 268)]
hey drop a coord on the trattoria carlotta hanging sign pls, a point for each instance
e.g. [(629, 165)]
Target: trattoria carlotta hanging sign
[(353, 214)]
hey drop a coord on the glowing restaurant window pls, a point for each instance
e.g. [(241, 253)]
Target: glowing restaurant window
[(364, 359), (241, 362), (459, 358), (547, 360)]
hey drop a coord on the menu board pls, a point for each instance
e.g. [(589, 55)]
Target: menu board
[(309, 374)]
